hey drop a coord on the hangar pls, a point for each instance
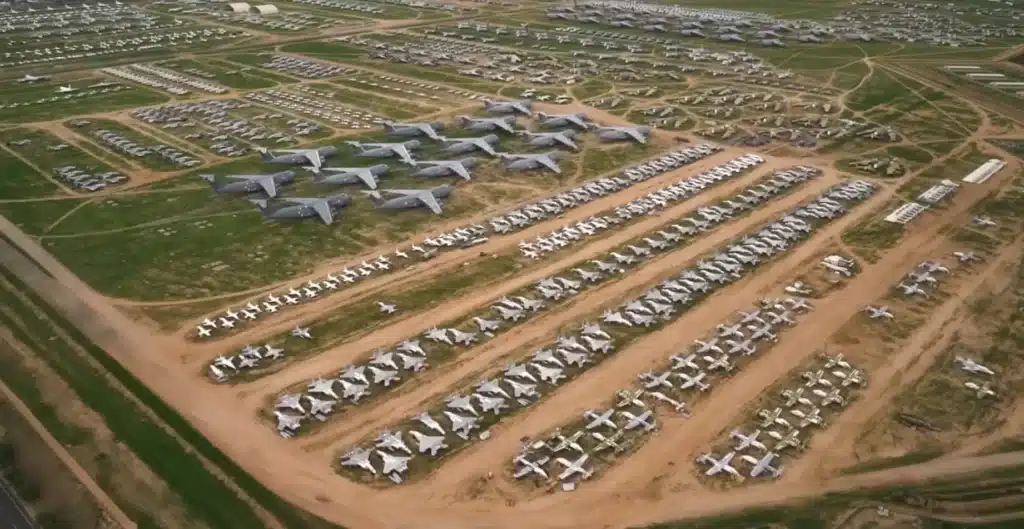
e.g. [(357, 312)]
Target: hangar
[(239, 7), (264, 9)]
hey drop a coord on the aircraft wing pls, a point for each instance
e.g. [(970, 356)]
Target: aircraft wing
[(403, 153), (314, 157), (486, 147), (269, 185), (429, 131), (503, 125), (635, 135), (566, 141), (461, 171), (367, 177), (577, 121), (430, 201), (324, 210), (549, 163)]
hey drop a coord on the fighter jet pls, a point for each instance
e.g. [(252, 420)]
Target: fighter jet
[(966, 257), (441, 168), (358, 457), (644, 421), (244, 183), (312, 157), (386, 150), (428, 443), (386, 308), (763, 465), (506, 124), (468, 145), (368, 176), (66, 89), (389, 440), (302, 332), (553, 121), (414, 129), (528, 162), (461, 425), (393, 463), (304, 208), (637, 134), (430, 422), (412, 198), (551, 139), (508, 107), (971, 366), (530, 467)]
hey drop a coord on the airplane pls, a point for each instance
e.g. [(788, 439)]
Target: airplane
[(486, 326), (508, 107), (694, 381), (268, 183), (412, 198), (526, 162), (809, 418), (815, 378), (746, 441), (66, 89), (790, 439), (719, 465), (551, 139), (358, 457), (912, 289), (463, 338), (682, 362), (725, 331), (383, 376), (606, 442), (837, 360), (879, 312), (203, 332), (563, 120), (428, 443), (386, 308), (468, 145), (652, 381), (981, 390), (599, 419), (530, 467), (972, 366), (441, 168), (304, 208), (386, 150), (772, 417), (830, 397), (705, 347), (638, 134), (763, 465), (629, 398), (461, 425), (722, 362), (302, 332), (411, 347), (966, 257), (393, 463), (323, 386), (506, 124), (368, 176), (795, 396), (313, 157), (551, 375), (565, 443), (574, 467), (461, 403), (29, 78), (414, 129), (645, 421)]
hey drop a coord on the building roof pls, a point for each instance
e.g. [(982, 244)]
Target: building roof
[(239, 7), (265, 9)]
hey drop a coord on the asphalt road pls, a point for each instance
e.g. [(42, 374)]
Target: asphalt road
[(13, 514)]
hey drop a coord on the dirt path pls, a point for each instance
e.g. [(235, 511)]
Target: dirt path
[(83, 477)]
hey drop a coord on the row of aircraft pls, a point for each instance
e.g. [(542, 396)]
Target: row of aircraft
[(469, 235), (826, 386), (454, 422)]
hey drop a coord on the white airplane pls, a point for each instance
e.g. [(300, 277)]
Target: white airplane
[(912, 289), (426, 420), (815, 378), (486, 326), (763, 465), (599, 419), (358, 457), (392, 441), (684, 362), (551, 375), (718, 465), (461, 425), (877, 313), (711, 345), (971, 366), (302, 332), (29, 78), (428, 443), (66, 89), (652, 381), (809, 418), (565, 443), (203, 332), (837, 360), (722, 362), (461, 403), (966, 257), (324, 387), (790, 439), (530, 467), (645, 421), (411, 347), (830, 397), (726, 331), (981, 390), (521, 389), (386, 308), (394, 464), (772, 417), (746, 441), (606, 442), (574, 467), (694, 381)]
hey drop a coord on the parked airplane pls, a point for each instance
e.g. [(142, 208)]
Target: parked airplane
[(645, 421), (412, 198), (358, 457), (551, 139), (414, 129), (599, 419), (966, 257), (718, 465), (304, 208), (530, 467), (428, 443), (527, 162), (879, 312), (368, 176), (441, 168), (268, 183), (972, 366), (981, 390), (637, 134), (313, 157), (762, 465), (508, 107), (506, 123), (29, 78), (387, 150), (746, 441), (468, 145), (553, 121)]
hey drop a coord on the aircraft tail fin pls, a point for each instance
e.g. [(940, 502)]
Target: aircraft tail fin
[(210, 179), (265, 154), (260, 204)]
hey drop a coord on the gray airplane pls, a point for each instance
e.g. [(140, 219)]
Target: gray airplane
[(506, 123), (528, 162), (442, 168), (412, 198), (304, 208), (248, 183), (387, 150), (354, 175), (312, 157), (522, 106), (551, 139), (414, 129), (468, 145), (637, 134), (554, 121)]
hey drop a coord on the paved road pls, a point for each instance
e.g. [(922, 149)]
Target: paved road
[(13, 514)]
